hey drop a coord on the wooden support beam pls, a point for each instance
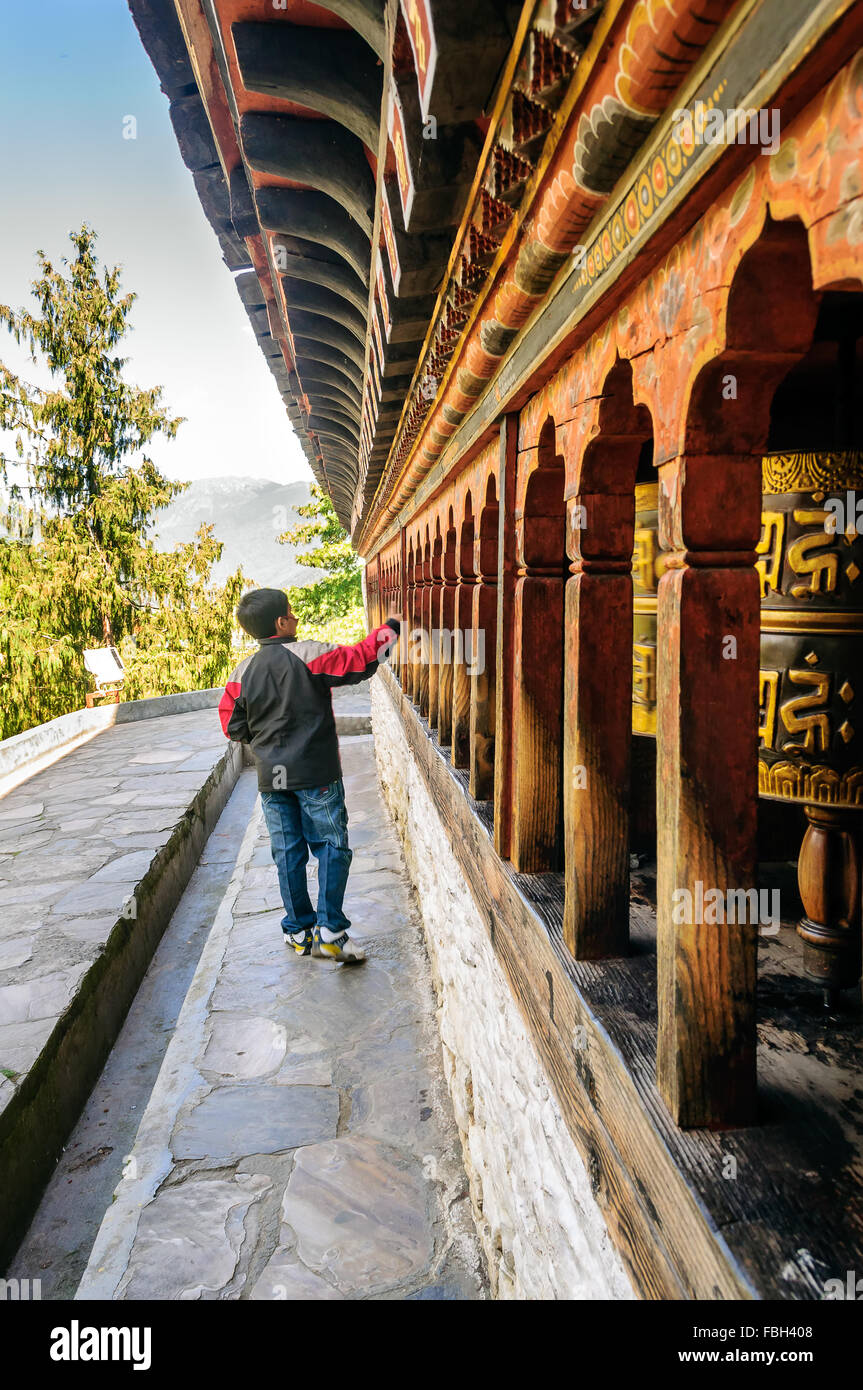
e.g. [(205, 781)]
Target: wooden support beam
[(298, 259), (504, 635), (324, 70), (416, 627), (537, 712), (425, 632), (316, 217), (483, 653), (435, 596), (449, 593), (316, 154), (460, 750), (707, 758), (598, 725), (325, 303)]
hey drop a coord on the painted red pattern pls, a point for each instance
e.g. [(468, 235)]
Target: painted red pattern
[(653, 46), (673, 324)]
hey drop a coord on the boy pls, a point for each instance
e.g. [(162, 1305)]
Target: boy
[(278, 702)]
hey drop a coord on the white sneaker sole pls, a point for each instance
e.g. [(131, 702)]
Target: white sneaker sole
[(351, 957)]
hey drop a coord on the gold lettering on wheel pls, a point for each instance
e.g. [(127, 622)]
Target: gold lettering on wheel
[(643, 674), (814, 726), (809, 555), (770, 546), (400, 158), (644, 557), (768, 692), (419, 41)]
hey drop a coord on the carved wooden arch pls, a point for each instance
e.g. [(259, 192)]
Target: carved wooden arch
[(466, 529), (450, 548), (486, 538), (540, 520), (764, 319), (600, 510)]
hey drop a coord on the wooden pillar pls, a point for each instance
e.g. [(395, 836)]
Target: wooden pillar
[(425, 586), (483, 651), (402, 605), (460, 751), (415, 626), (435, 594), (376, 614), (402, 592), (598, 721), (504, 635), (537, 824), (707, 723), (448, 625)]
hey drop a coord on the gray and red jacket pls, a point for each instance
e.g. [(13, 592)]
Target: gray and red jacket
[(278, 701)]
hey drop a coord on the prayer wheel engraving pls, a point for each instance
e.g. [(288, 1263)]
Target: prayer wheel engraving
[(810, 568)]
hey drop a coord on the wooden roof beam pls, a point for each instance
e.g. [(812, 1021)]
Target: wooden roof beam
[(317, 154), (325, 70)]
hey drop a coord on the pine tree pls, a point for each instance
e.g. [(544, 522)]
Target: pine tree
[(331, 608), (77, 566)]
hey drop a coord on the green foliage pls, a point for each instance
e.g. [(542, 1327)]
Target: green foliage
[(331, 609), (77, 567)]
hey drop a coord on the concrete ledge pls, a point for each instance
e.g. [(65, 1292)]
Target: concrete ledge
[(38, 1112), (350, 724), (36, 747), (30, 751)]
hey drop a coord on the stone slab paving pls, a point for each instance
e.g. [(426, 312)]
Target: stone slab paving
[(299, 1142), (75, 840), (57, 1246)]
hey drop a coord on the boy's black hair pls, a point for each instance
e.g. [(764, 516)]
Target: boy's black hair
[(258, 610)]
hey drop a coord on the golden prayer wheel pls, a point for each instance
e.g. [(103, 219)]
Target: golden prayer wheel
[(810, 568)]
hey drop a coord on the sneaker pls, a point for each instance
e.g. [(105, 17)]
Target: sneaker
[(341, 949), (300, 940)]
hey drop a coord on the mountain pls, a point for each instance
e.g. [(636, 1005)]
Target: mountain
[(247, 515)]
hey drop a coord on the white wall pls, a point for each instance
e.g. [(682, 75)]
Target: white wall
[(542, 1231)]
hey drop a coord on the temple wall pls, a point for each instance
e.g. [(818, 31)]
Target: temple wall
[(541, 1229)]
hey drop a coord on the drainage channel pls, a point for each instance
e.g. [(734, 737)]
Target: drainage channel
[(57, 1245)]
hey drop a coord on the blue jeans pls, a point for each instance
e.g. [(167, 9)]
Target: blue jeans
[(316, 819)]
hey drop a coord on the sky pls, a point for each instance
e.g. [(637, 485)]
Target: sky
[(71, 72)]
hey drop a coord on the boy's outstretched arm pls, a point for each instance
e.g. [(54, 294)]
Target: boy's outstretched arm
[(349, 665), (232, 709)]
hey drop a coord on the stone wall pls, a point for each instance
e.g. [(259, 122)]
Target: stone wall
[(543, 1234)]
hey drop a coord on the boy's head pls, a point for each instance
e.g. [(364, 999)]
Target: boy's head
[(266, 613)]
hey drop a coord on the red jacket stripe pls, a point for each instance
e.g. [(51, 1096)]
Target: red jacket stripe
[(342, 661), (226, 704)]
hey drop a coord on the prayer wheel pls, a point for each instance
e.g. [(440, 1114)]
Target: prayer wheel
[(810, 739)]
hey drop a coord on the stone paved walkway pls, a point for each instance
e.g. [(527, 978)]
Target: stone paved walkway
[(299, 1142), (75, 840)]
